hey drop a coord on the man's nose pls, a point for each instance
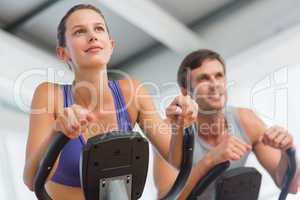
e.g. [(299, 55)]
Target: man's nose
[(213, 82)]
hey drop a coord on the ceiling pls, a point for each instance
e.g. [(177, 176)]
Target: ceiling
[(36, 21), (143, 30)]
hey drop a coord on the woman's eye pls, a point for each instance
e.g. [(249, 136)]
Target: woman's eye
[(79, 32), (99, 28)]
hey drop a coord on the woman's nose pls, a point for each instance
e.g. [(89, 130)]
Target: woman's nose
[(92, 36)]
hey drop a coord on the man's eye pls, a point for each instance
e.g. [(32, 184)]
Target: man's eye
[(219, 75), (202, 78)]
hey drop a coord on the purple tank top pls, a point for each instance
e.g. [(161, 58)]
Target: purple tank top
[(67, 172)]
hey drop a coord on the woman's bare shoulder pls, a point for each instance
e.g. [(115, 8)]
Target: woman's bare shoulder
[(46, 87), (130, 87), (130, 83), (48, 94)]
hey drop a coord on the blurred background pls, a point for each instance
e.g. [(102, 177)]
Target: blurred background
[(259, 39)]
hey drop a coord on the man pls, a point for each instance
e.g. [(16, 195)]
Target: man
[(223, 132)]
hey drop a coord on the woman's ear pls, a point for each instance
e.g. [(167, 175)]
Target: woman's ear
[(62, 54), (113, 43)]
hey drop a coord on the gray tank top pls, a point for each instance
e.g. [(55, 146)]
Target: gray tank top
[(201, 148)]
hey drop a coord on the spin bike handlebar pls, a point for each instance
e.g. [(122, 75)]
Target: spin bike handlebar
[(60, 139), (219, 169), (291, 171)]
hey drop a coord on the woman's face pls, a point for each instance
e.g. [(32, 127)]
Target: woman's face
[(88, 43)]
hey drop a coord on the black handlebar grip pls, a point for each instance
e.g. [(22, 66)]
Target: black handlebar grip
[(203, 183), (291, 171), (186, 164), (46, 165)]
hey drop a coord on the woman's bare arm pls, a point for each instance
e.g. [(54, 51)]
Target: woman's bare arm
[(42, 117), (159, 131)]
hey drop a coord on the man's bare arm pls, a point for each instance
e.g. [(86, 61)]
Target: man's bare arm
[(269, 146)]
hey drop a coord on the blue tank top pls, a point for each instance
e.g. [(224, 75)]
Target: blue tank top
[(67, 172)]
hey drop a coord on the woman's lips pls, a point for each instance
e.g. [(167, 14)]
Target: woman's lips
[(94, 49)]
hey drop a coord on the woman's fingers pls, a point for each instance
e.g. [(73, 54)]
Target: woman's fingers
[(74, 120)]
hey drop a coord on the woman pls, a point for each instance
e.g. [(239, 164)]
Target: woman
[(91, 105)]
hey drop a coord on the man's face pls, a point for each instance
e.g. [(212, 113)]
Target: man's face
[(208, 84)]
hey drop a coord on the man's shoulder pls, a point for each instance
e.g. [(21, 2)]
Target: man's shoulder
[(253, 126), (242, 110)]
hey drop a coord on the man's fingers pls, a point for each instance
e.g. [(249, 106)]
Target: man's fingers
[(240, 152), (241, 144), (183, 111), (279, 138), (182, 102), (233, 155), (271, 136), (286, 143), (173, 110)]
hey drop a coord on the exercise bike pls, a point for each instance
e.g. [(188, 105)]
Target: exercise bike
[(120, 158), (241, 183), (111, 160)]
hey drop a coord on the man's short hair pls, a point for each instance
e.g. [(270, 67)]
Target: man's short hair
[(195, 60)]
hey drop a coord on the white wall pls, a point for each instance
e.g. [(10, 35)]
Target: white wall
[(23, 67), (266, 80), (31, 65)]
